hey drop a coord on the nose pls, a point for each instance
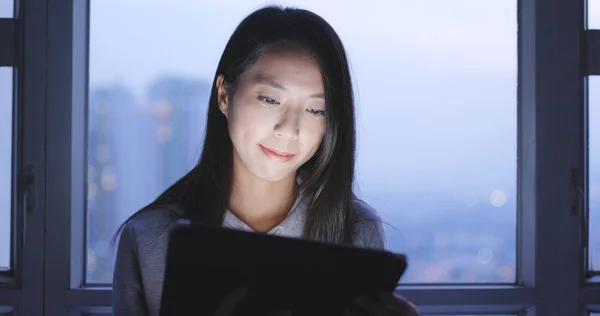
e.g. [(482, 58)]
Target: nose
[(288, 125)]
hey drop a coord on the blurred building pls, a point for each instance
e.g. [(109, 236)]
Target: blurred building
[(137, 148), (103, 178), (179, 107)]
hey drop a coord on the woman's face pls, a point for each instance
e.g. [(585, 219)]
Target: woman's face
[(277, 115)]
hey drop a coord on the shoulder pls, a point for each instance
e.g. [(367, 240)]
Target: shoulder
[(148, 226), (368, 229), (140, 260)]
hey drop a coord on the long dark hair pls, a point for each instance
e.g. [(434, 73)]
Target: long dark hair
[(203, 193)]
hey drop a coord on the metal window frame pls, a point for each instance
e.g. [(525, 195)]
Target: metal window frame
[(23, 42), (8, 42), (8, 53), (592, 51), (551, 107)]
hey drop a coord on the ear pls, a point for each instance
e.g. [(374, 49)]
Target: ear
[(222, 95)]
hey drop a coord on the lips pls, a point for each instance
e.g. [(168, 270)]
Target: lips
[(275, 154)]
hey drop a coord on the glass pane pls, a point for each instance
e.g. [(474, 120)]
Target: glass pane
[(7, 9), (437, 120), (594, 172), (593, 12), (6, 311), (6, 111)]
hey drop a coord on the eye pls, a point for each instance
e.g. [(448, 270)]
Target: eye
[(267, 100), (316, 112)]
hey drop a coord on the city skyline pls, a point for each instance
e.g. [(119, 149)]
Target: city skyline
[(172, 106), (453, 211)]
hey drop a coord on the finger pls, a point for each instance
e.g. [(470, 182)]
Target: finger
[(398, 303), (229, 304), (374, 307)]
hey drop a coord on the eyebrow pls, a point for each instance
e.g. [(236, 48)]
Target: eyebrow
[(261, 79)]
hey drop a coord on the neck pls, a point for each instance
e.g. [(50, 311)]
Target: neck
[(260, 204)]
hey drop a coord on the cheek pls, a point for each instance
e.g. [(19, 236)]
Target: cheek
[(246, 124), (313, 137)]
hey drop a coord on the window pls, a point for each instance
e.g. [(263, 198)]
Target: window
[(7, 9), (593, 14), (467, 62), (451, 202), (6, 144), (593, 154), (594, 173), (22, 157)]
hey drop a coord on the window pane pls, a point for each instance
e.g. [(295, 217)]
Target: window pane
[(6, 111), (7, 9), (593, 12), (436, 115), (594, 172), (6, 311)]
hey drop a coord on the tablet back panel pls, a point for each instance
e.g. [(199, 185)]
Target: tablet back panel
[(206, 264)]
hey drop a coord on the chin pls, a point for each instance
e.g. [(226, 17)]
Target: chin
[(274, 176)]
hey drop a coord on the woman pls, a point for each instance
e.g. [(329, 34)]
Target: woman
[(278, 157)]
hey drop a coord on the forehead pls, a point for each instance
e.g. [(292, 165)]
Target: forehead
[(286, 67)]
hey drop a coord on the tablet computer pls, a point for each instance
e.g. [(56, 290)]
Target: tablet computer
[(206, 264)]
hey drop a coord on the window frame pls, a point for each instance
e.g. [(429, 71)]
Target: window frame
[(8, 45), (592, 63), (550, 93), (21, 288)]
